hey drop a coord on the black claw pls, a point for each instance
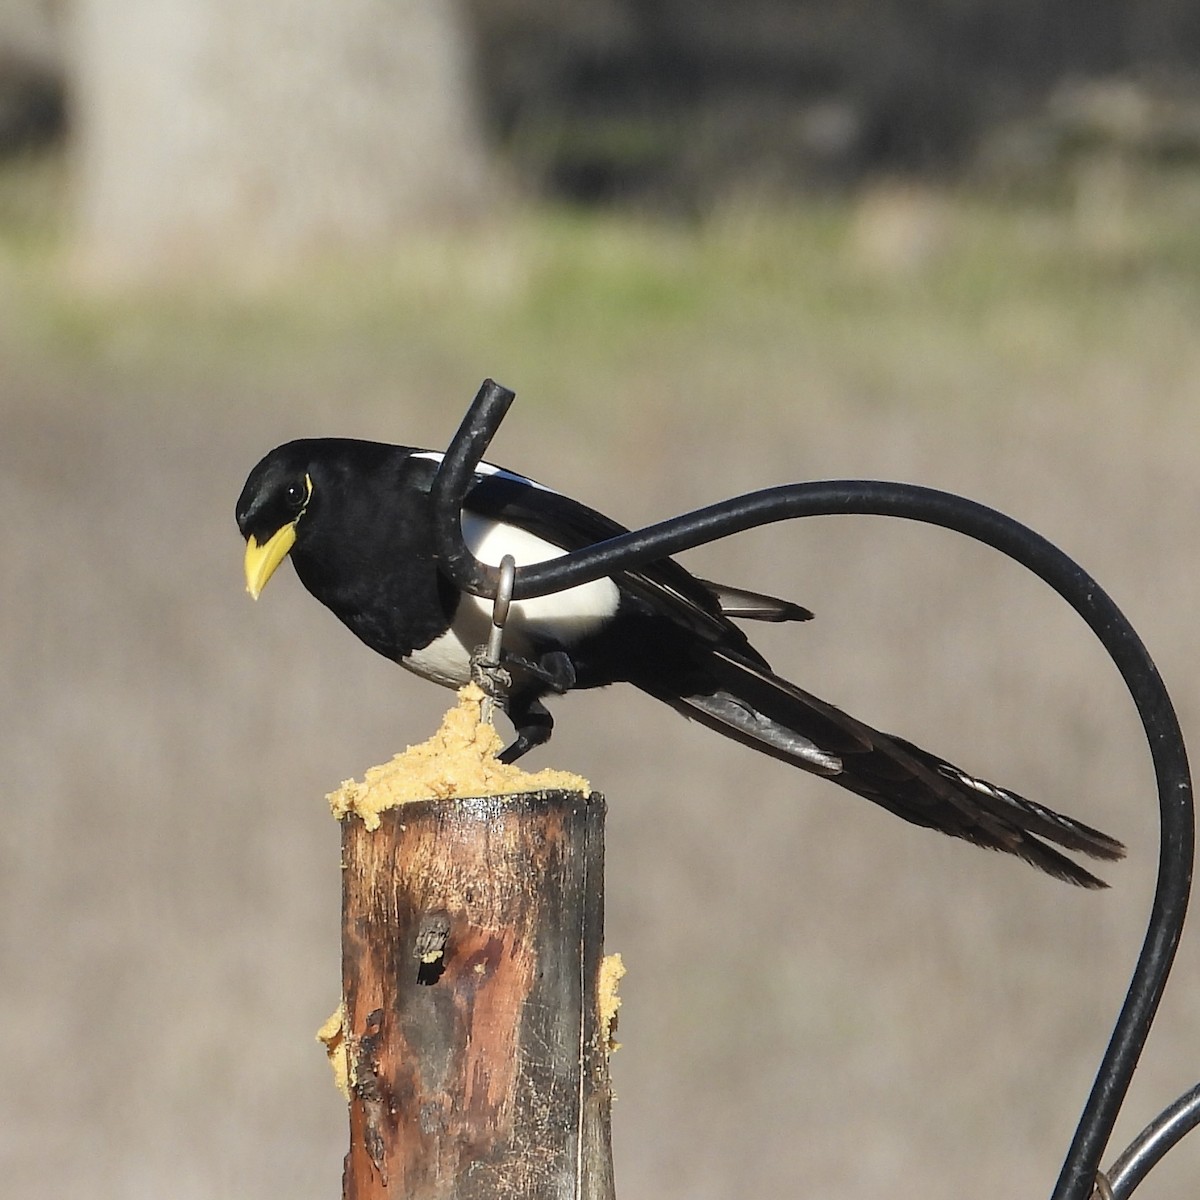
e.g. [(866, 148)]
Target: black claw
[(533, 723)]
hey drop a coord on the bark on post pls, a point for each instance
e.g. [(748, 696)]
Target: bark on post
[(472, 944)]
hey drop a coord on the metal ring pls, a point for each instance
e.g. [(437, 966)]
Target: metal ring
[(504, 591)]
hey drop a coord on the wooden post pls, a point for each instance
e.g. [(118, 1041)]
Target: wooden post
[(476, 1052)]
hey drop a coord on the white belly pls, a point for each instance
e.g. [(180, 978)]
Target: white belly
[(564, 617)]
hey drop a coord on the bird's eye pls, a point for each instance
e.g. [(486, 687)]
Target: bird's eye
[(296, 496)]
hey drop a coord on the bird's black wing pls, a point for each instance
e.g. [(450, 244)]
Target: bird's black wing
[(665, 586), (744, 700)]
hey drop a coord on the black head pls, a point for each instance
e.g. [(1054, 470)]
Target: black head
[(285, 495), (273, 503)]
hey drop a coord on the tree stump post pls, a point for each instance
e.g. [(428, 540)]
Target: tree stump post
[(476, 1050)]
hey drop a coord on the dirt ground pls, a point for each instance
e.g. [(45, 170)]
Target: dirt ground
[(821, 1001)]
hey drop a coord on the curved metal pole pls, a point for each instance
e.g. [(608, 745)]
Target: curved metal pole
[(1148, 1148), (914, 503)]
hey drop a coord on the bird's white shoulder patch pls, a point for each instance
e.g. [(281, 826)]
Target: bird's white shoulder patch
[(563, 617), (485, 470)]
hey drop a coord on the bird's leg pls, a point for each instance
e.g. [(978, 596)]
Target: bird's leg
[(533, 723), (552, 672)]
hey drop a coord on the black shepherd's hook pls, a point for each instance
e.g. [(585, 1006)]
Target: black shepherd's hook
[(913, 503)]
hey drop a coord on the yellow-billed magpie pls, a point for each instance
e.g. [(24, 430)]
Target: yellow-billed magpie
[(355, 517)]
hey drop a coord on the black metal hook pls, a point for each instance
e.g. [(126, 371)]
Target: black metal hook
[(914, 503)]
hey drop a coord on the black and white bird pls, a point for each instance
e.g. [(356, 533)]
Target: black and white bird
[(355, 517)]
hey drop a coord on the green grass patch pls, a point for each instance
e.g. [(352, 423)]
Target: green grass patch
[(899, 295)]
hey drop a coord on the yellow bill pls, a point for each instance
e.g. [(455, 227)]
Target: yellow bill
[(261, 561)]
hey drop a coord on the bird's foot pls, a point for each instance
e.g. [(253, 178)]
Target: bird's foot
[(518, 749), (554, 671), (533, 723)]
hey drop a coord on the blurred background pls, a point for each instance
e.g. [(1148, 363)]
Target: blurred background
[(713, 248)]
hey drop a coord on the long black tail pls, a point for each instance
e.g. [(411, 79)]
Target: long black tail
[(753, 706)]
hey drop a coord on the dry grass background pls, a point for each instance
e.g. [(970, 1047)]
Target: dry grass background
[(821, 1001)]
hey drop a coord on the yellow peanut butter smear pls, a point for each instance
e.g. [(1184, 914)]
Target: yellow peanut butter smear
[(459, 760), (333, 1035), (612, 970)]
